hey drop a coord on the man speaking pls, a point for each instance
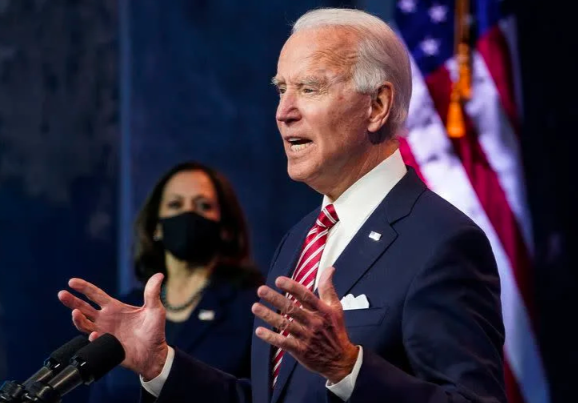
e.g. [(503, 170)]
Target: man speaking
[(385, 293)]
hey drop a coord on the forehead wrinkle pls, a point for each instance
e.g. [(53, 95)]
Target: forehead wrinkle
[(336, 52), (335, 60), (333, 57)]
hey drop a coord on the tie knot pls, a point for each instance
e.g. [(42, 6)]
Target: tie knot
[(327, 217)]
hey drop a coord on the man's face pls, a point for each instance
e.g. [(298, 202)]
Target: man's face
[(322, 119)]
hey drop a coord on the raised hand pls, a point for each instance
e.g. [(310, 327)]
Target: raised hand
[(317, 334), (141, 330)]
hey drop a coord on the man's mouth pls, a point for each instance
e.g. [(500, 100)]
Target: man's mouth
[(299, 143)]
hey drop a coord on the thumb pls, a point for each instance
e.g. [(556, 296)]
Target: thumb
[(327, 291), (152, 292)]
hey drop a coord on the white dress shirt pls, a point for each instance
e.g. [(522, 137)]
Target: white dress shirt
[(353, 208)]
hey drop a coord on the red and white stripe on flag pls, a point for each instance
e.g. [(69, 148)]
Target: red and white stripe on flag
[(480, 173)]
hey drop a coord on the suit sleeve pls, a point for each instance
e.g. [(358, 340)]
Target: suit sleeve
[(452, 332), (193, 381)]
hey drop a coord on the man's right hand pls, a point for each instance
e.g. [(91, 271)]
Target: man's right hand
[(141, 330)]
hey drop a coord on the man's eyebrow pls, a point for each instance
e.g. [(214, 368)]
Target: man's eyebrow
[(313, 81)]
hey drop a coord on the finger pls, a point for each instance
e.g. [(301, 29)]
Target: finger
[(301, 294), (327, 291), (82, 323), (285, 305), (281, 322), (73, 303), (93, 336), (91, 291), (152, 292), (289, 344)]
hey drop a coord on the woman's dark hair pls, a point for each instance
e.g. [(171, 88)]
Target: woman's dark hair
[(233, 258)]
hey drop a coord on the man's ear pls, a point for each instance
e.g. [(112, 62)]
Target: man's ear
[(381, 103)]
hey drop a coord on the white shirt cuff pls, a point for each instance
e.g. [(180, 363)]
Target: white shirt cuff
[(344, 388), (154, 386)]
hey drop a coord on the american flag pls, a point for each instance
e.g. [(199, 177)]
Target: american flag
[(464, 140)]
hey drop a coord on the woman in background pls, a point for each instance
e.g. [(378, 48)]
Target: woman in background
[(192, 229)]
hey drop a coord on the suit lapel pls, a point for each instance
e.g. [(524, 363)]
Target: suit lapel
[(361, 252), (290, 252), (364, 249), (262, 352), (287, 367), (260, 366)]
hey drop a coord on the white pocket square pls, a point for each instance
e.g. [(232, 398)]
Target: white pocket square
[(349, 302)]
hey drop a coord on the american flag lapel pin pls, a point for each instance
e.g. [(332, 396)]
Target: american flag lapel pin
[(206, 315), (376, 236)]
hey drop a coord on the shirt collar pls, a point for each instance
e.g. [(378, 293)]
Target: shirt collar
[(357, 203)]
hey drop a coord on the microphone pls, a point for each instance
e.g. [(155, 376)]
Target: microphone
[(12, 391), (88, 365), (57, 360)]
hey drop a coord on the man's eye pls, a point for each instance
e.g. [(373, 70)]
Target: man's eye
[(281, 90), (308, 90)]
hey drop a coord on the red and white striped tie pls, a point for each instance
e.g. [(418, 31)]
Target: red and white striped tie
[(306, 269)]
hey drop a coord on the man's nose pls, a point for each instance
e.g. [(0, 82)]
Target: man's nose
[(287, 110)]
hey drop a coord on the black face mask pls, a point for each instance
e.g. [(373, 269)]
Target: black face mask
[(191, 237)]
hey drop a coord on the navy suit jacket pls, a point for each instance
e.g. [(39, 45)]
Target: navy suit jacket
[(223, 342), (433, 332)]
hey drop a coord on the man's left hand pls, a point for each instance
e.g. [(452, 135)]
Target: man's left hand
[(317, 335)]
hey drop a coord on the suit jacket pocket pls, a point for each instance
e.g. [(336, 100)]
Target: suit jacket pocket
[(364, 317)]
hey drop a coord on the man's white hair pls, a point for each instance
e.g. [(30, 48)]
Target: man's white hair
[(381, 55)]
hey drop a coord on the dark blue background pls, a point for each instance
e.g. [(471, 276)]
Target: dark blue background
[(99, 97)]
